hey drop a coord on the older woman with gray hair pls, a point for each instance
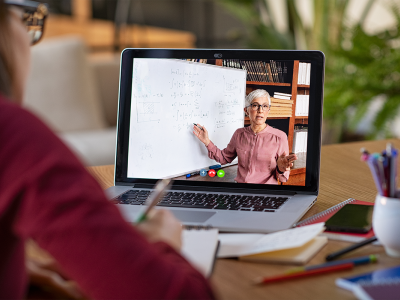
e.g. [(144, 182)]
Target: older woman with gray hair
[(262, 150)]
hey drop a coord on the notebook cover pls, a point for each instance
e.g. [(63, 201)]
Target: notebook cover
[(389, 290), (377, 276)]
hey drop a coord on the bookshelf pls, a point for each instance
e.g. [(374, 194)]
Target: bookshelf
[(268, 83), (297, 176)]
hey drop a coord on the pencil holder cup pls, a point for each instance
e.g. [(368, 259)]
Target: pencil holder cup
[(386, 223)]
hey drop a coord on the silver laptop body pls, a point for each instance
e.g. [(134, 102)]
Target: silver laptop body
[(297, 199)]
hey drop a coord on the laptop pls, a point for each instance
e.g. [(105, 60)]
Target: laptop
[(164, 93)]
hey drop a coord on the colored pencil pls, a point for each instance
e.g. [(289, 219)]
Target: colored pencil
[(335, 268)]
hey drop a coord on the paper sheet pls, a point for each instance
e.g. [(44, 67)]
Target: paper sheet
[(234, 245), (199, 247)]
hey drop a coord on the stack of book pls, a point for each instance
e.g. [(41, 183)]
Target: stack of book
[(281, 105), (260, 71), (304, 73), (300, 135), (302, 103)]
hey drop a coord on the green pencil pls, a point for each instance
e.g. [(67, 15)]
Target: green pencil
[(159, 190)]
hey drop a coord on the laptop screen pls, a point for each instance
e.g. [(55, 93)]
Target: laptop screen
[(220, 122)]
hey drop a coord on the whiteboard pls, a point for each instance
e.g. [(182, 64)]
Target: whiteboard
[(168, 96)]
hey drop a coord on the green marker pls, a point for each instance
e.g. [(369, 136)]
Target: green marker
[(221, 173)]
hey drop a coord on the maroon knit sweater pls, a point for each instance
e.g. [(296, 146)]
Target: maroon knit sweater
[(46, 194)]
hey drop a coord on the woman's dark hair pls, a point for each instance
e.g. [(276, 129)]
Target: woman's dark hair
[(6, 53)]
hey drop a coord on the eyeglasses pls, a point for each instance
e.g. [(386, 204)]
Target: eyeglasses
[(257, 106), (34, 15)]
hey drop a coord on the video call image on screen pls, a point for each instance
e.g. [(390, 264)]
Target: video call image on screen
[(178, 106)]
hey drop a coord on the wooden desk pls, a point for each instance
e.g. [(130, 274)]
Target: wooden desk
[(343, 175)]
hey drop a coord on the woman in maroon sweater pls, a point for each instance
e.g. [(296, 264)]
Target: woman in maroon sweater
[(47, 195)]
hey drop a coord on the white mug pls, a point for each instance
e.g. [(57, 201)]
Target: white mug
[(386, 224)]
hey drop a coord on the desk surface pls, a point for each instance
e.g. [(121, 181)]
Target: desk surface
[(343, 176)]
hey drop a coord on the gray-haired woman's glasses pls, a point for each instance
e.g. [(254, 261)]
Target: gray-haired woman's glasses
[(256, 106), (34, 16)]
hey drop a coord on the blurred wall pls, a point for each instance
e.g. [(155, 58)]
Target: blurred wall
[(212, 24)]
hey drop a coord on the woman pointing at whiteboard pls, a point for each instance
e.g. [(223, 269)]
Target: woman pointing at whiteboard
[(262, 150)]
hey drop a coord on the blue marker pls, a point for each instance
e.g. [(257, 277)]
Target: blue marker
[(192, 174), (214, 167)]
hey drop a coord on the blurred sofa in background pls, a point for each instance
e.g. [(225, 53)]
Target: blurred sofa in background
[(77, 96)]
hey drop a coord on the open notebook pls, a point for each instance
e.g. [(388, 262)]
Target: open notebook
[(200, 247), (291, 246)]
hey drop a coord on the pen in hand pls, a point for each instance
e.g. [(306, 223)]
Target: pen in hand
[(198, 126), (159, 191)]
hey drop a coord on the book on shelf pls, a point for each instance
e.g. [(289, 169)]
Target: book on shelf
[(279, 115), (289, 105), (199, 60), (277, 100), (259, 71), (308, 73), (269, 71), (300, 135), (302, 105), (282, 96), (304, 73), (282, 111)]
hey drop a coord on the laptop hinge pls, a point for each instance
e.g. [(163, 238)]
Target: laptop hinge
[(216, 189)]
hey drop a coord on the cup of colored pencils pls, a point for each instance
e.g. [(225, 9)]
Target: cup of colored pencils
[(386, 217)]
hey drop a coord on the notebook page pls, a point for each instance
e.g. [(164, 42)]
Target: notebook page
[(199, 248), (233, 245)]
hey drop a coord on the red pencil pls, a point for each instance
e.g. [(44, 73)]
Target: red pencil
[(304, 273)]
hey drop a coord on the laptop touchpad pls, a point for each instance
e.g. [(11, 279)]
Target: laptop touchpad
[(192, 216)]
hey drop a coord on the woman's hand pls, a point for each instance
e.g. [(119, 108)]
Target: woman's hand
[(201, 133), (161, 225), (49, 276), (285, 162)]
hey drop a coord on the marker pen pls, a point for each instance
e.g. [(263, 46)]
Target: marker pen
[(192, 174), (215, 167), (198, 126)]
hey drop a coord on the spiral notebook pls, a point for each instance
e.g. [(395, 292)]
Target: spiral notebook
[(342, 236)]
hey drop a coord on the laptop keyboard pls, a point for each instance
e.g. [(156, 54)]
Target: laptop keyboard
[(205, 201)]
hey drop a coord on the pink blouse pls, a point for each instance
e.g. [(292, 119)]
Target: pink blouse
[(257, 154)]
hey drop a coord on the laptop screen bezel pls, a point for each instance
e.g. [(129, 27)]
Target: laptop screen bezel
[(317, 60)]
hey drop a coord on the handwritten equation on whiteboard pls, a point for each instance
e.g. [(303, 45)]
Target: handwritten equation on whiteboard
[(169, 95), (183, 91)]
